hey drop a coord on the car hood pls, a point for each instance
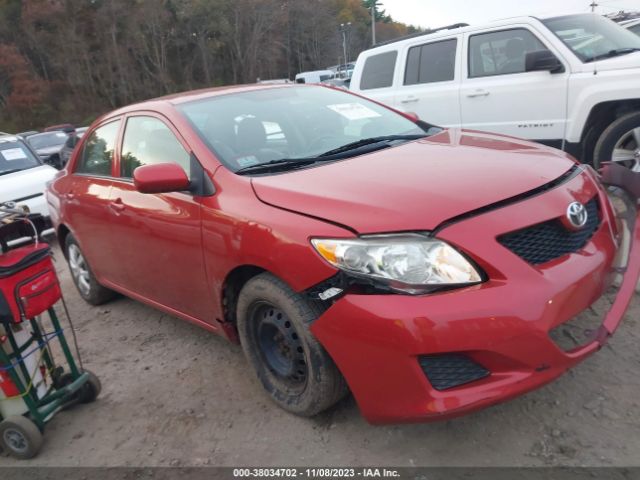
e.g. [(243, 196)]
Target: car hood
[(25, 183), (417, 185)]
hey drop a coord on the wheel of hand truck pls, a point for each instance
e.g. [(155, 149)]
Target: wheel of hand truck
[(20, 437), (90, 390)]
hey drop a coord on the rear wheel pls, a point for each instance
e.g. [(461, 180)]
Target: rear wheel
[(88, 287), (20, 437), (620, 143), (273, 325)]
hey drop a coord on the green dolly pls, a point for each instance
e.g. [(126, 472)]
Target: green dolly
[(21, 435)]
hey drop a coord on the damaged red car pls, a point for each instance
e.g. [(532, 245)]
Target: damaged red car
[(346, 246)]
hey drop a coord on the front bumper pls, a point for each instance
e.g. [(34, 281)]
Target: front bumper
[(503, 324)]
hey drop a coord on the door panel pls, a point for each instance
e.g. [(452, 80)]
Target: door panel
[(161, 245), (498, 96), (160, 235), (430, 85)]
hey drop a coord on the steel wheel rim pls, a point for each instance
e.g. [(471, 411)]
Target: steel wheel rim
[(627, 150), (280, 345), (15, 440), (79, 269)]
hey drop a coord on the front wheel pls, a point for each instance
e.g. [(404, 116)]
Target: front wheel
[(273, 325), (620, 143)]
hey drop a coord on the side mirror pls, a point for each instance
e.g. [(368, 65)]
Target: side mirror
[(160, 178), (542, 60)]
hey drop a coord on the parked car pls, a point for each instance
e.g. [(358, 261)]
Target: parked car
[(632, 25), (316, 76), (27, 133), (48, 146), (71, 142), (23, 175), (569, 82), (80, 131), (63, 127), (356, 247)]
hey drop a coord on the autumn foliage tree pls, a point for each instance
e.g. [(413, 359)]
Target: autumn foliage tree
[(70, 60)]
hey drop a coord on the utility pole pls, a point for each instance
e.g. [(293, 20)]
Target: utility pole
[(593, 6), (344, 27), (373, 24)]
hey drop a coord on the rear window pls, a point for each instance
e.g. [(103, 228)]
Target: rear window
[(433, 62), (378, 71)]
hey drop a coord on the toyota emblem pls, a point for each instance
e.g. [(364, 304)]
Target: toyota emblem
[(577, 215)]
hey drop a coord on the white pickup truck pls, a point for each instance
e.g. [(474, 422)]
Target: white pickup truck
[(572, 82)]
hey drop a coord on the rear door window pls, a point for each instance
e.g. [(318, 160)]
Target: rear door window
[(501, 53), (148, 141), (433, 62), (378, 71), (97, 156)]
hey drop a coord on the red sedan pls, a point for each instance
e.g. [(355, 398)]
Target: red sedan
[(346, 246)]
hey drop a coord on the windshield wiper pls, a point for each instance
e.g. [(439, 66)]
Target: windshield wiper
[(369, 141), (366, 144), (277, 165), (614, 53)]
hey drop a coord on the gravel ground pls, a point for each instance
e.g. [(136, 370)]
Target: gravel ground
[(174, 394)]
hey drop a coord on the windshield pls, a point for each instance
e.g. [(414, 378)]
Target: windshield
[(252, 128), (47, 140), (15, 156), (592, 36)]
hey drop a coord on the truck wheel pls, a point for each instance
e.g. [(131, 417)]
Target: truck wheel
[(88, 287), (620, 142), (20, 437), (273, 325)]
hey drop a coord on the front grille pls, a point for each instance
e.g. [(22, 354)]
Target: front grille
[(549, 240), (451, 370)]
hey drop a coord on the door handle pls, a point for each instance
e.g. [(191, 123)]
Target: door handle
[(410, 100), (117, 205), (478, 93)]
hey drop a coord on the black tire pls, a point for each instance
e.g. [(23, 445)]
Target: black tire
[(90, 390), (20, 437), (294, 369), (95, 294), (611, 135)]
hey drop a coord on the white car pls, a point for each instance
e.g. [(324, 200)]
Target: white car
[(23, 176), (316, 76), (572, 82)]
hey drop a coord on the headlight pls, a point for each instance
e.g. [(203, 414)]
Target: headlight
[(410, 263)]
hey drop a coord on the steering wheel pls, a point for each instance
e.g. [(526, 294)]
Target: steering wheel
[(319, 142)]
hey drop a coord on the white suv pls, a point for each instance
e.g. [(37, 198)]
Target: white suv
[(572, 82)]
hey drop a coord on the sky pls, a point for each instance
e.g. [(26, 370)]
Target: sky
[(437, 13)]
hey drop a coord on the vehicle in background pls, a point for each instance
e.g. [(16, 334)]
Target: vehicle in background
[(632, 25), (571, 82), (23, 176), (275, 81), (64, 127), (341, 242), (27, 133), (316, 76), (48, 146), (70, 144), (338, 82)]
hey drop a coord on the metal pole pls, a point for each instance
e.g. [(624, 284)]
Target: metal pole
[(373, 23)]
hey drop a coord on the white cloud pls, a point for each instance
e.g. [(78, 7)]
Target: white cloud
[(436, 13)]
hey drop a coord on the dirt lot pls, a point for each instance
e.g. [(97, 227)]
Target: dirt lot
[(176, 395)]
